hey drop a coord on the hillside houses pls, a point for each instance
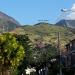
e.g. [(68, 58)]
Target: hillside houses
[(70, 54)]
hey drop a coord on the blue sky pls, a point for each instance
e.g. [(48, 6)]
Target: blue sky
[(30, 11)]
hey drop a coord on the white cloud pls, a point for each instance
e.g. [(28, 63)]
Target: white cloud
[(73, 7), (71, 14)]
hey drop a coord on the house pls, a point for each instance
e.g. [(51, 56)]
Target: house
[(70, 54)]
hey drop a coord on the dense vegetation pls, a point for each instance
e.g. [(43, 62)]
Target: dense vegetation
[(47, 32), (33, 46), (11, 53), (17, 53)]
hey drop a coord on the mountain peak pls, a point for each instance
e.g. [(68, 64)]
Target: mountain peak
[(5, 16), (42, 23), (7, 23), (66, 23)]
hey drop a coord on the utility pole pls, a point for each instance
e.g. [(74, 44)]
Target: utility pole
[(3, 29), (59, 51), (7, 29)]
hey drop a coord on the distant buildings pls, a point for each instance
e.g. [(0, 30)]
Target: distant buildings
[(69, 57)]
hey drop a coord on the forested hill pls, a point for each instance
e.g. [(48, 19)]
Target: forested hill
[(47, 32)]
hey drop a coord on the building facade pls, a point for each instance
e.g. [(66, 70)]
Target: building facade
[(70, 54)]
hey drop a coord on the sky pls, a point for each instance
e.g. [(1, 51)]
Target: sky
[(31, 11)]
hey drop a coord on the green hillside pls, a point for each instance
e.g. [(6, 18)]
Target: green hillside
[(46, 32)]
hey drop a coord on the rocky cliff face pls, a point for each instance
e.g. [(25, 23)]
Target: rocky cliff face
[(66, 23), (7, 23)]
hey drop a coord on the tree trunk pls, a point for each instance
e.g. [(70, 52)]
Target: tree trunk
[(6, 72)]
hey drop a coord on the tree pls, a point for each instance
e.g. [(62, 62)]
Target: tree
[(42, 54), (11, 52), (25, 42)]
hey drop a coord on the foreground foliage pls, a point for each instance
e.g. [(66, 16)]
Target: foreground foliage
[(17, 52), (11, 52)]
